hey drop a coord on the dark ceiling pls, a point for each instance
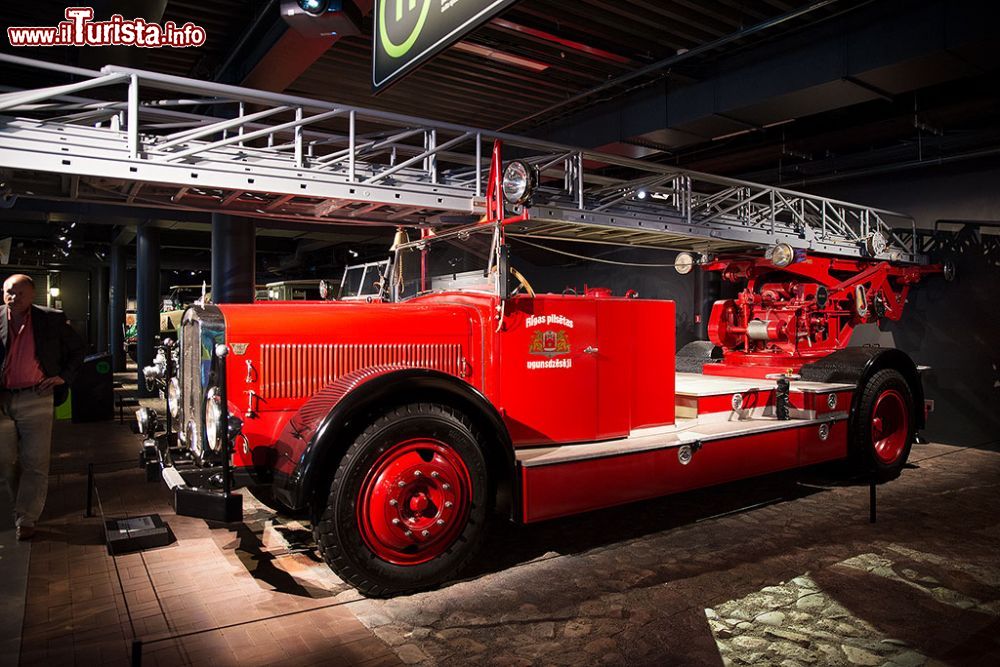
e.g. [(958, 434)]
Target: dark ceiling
[(776, 91)]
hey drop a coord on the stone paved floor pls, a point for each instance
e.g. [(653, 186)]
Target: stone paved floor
[(801, 579), (784, 570)]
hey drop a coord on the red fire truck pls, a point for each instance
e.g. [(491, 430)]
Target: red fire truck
[(404, 422)]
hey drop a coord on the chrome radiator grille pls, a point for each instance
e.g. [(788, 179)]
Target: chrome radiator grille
[(201, 329), (298, 371)]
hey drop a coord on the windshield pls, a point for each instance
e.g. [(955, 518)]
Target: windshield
[(362, 281), (450, 262)]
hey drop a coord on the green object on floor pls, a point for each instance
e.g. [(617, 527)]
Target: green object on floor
[(65, 409)]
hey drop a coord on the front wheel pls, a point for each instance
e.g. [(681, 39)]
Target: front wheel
[(883, 428), (408, 503)]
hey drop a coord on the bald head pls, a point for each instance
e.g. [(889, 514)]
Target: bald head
[(18, 293)]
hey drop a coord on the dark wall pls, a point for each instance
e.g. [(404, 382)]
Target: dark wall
[(952, 327), (553, 273), (74, 293)]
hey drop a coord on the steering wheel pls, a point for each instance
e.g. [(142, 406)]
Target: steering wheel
[(522, 282)]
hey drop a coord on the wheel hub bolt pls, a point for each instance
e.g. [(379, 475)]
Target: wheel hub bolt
[(425, 533), (395, 522), (435, 474), (408, 533), (393, 502), (417, 473), (448, 503), (401, 484), (446, 486), (440, 522)]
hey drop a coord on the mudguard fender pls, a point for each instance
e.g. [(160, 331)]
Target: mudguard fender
[(323, 426), (855, 365)]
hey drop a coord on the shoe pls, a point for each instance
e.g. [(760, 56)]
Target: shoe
[(25, 533)]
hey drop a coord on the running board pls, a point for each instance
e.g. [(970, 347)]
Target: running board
[(568, 479), (684, 432)]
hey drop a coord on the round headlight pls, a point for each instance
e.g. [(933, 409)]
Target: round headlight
[(160, 363), (213, 418), (518, 182), (174, 398), (683, 263), (782, 255), (876, 244), (146, 419)]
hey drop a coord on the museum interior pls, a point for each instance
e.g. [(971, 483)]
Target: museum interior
[(500, 332)]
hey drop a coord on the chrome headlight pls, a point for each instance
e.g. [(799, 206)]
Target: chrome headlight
[(684, 263), (160, 363), (174, 398), (146, 418), (781, 255), (518, 182), (213, 417)]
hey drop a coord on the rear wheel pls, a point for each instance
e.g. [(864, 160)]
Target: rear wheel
[(408, 504), (883, 428)]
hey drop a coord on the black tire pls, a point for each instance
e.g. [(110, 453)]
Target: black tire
[(438, 439), (887, 391)]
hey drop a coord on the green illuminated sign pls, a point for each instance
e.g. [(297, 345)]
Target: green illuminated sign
[(409, 32)]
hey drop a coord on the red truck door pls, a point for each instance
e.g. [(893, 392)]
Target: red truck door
[(548, 369)]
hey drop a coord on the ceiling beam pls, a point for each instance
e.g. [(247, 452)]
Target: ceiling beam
[(876, 52)]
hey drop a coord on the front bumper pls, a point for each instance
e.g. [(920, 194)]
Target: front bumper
[(197, 491)]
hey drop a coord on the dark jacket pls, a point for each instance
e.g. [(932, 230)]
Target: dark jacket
[(58, 348)]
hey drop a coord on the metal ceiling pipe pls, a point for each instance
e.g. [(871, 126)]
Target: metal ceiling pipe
[(678, 58)]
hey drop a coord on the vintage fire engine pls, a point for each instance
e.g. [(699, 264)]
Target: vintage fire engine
[(406, 415), (404, 422)]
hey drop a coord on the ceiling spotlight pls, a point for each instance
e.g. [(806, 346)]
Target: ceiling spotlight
[(352, 253), (640, 194), (313, 7), (54, 292), (72, 225)]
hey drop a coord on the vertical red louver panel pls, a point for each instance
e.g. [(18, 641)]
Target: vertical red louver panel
[(291, 370)]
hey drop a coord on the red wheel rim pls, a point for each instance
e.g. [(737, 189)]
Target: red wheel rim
[(414, 501), (890, 426)]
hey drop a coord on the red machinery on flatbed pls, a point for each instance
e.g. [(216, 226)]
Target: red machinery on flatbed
[(405, 422)]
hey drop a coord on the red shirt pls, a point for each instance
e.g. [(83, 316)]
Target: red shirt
[(23, 369)]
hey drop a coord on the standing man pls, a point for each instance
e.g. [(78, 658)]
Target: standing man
[(39, 355)]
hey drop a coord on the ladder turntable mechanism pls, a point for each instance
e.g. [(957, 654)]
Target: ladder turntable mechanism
[(133, 137)]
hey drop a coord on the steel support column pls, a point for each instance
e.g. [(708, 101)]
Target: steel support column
[(147, 277), (233, 259), (116, 313), (99, 307)]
